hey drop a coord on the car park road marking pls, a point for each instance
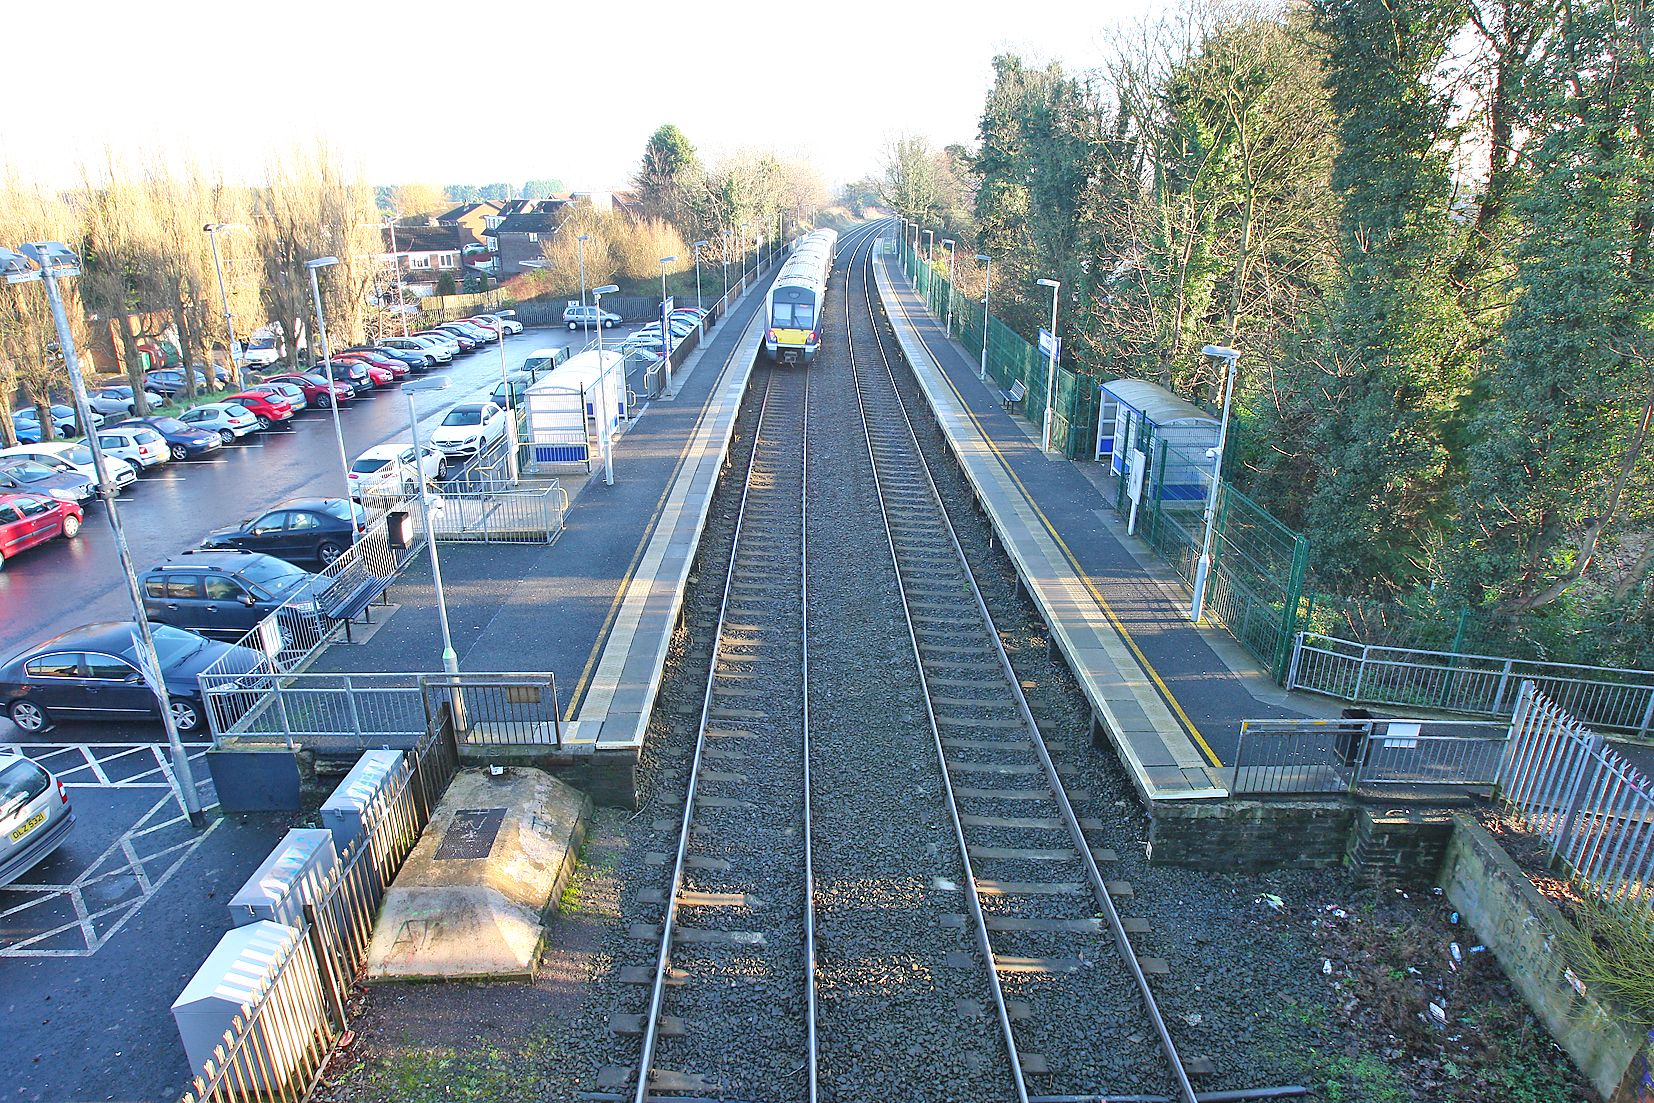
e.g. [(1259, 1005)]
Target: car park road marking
[(108, 765)]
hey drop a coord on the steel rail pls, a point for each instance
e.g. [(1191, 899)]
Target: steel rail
[(1099, 888)]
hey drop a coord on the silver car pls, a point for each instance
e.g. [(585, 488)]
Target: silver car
[(35, 816)]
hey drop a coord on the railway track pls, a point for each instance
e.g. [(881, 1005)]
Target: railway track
[(1036, 902)]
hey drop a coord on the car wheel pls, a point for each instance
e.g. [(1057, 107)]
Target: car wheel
[(179, 452), (29, 716), (327, 551), (186, 715), (573, 326), (608, 323), (442, 469), (71, 526), (227, 436), (263, 423), (323, 401)]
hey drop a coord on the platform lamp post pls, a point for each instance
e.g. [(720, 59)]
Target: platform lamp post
[(1203, 566), (930, 251), (327, 363), (745, 226), (212, 230), (947, 243), (723, 257), (580, 250), (396, 266), (450, 659), (699, 245), (1051, 365), (510, 416), (603, 438), (987, 263), (666, 323), (47, 262)]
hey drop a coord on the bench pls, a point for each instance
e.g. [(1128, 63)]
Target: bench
[(350, 595), (1017, 393)]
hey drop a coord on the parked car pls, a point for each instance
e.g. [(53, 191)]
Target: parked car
[(289, 393), (137, 444), (540, 361), (91, 673), (316, 389), (28, 520), (434, 352), (230, 420), (508, 394), (169, 382), (76, 457), (506, 320), (183, 441), (412, 359), (117, 400), (226, 593), (262, 349), (576, 316), (35, 815), (297, 529), (362, 372), (469, 428), (458, 340), (398, 368), (390, 469), (267, 407), (463, 330), (20, 476), (493, 330), (64, 422)]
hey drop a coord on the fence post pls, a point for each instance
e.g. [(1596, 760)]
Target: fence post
[(1360, 672), (1504, 682), (1297, 655), (326, 966), (1518, 722), (1289, 607), (281, 713), (1648, 715), (355, 717), (1576, 791)]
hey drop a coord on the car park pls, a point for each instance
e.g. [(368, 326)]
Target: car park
[(21, 476), (76, 457), (136, 444), (390, 469), (35, 815), (225, 594), (576, 316), (230, 420), (317, 390), (183, 441), (289, 393), (117, 400), (29, 520), (433, 351), (91, 673), (298, 529), (469, 428), (266, 406)]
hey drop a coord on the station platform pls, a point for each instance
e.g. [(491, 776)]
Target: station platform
[(1170, 696)]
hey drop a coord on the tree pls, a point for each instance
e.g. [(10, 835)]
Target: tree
[(497, 191), (417, 200), (116, 280), (544, 188), (669, 172), (462, 193), (30, 360)]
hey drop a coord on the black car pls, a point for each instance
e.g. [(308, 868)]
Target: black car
[(169, 382), (227, 593), (183, 441), (297, 529), (416, 361), (91, 673), (350, 372)]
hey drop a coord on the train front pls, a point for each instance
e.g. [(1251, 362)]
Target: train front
[(794, 333)]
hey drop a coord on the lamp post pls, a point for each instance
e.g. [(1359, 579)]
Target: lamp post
[(1051, 367), (1203, 566), (699, 245), (930, 251), (947, 243), (396, 265), (665, 324), (745, 226), (327, 362), (510, 416), (450, 660), (580, 249), (987, 263), (603, 438), (724, 257), (212, 229), (51, 261)]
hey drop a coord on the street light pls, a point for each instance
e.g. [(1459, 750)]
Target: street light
[(987, 263), (580, 248), (510, 414), (699, 245), (396, 265), (947, 243), (665, 324), (1203, 566), (745, 226), (930, 251), (603, 438), (52, 261), (327, 363), (212, 229), (1051, 369), (450, 660), (724, 257)]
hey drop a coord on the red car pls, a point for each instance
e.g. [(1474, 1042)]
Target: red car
[(397, 368), (263, 405), (314, 386), (30, 519)]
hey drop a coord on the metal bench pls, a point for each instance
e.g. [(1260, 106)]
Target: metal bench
[(1017, 393), (350, 595)]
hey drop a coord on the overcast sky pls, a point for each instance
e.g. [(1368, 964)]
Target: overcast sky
[(472, 93)]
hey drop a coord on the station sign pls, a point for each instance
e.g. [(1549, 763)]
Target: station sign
[(1049, 346)]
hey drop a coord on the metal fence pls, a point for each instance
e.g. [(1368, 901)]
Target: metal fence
[(1594, 809), (1487, 685), (277, 1048), (1351, 756)]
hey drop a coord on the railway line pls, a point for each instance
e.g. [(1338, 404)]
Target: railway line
[(880, 883)]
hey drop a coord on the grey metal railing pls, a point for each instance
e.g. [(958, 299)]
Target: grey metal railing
[(1350, 756), (1618, 698)]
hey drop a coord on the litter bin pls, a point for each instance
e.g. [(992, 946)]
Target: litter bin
[(291, 877)]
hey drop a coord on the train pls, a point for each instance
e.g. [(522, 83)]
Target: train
[(794, 307)]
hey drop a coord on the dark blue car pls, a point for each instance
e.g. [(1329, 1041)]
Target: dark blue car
[(183, 441), (414, 360)]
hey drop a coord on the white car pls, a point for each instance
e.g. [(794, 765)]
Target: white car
[(136, 444), (77, 457), (434, 353), (118, 400), (442, 340), (390, 469), (508, 323), (469, 428), (228, 419)]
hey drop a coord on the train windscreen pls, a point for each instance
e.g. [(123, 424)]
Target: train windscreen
[(782, 316), (804, 315)]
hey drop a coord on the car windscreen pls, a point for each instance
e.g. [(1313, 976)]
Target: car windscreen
[(81, 454), (367, 465), (147, 436), (20, 782), (271, 570), (463, 416), (170, 425), (342, 509), (172, 645), (28, 471)]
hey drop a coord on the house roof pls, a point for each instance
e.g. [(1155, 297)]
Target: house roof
[(425, 239), (542, 219), (486, 206)]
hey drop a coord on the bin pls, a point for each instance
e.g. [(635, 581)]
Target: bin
[(364, 797), (291, 877)]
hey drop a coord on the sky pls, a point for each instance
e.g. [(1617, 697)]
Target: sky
[(453, 93)]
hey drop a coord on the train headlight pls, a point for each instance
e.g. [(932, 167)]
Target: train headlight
[(771, 336)]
